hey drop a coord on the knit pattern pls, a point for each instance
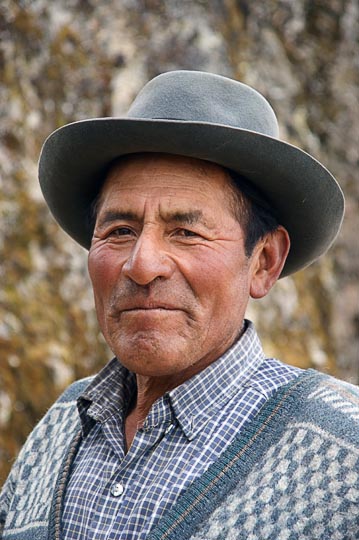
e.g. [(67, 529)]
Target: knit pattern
[(342, 398), (306, 486), (40, 468), (294, 474), (31, 485)]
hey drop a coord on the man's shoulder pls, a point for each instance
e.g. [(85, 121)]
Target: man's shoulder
[(331, 403), (313, 403), (314, 406), (54, 430), (326, 387), (320, 389), (59, 422), (74, 390)]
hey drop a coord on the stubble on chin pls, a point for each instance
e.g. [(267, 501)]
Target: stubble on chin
[(156, 351)]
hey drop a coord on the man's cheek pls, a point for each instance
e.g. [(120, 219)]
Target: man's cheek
[(101, 284), (104, 271)]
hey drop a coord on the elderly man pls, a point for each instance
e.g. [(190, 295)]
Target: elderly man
[(189, 206)]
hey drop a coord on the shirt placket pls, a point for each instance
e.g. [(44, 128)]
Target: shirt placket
[(123, 487)]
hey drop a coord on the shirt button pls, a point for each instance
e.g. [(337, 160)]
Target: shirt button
[(168, 429), (117, 489)]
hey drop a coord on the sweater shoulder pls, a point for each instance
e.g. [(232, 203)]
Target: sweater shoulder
[(74, 390), (332, 390), (329, 404), (62, 410)]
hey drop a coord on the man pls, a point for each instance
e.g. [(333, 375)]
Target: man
[(189, 206)]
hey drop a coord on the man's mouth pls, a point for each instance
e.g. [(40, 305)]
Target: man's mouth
[(154, 307), (148, 305)]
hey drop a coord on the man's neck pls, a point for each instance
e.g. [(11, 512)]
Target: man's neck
[(149, 390)]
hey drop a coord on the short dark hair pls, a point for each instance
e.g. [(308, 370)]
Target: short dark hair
[(252, 211)]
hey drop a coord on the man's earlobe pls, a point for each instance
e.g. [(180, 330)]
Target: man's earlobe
[(268, 260)]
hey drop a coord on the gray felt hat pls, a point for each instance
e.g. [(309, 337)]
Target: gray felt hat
[(205, 116)]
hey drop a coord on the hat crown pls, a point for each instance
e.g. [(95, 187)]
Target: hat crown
[(196, 96)]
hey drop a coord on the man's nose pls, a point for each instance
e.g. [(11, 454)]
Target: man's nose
[(148, 260)]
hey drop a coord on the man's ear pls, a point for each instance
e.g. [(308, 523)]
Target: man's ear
[(268, 260)]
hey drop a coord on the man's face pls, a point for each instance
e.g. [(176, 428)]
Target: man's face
[(170, 277)]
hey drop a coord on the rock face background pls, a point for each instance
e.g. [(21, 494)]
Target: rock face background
[(73, 59)]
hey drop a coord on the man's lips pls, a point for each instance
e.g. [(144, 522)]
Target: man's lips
[(148, 305), (155, 312), (155, 307)]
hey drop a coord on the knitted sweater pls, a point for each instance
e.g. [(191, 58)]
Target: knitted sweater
[(291, 473)]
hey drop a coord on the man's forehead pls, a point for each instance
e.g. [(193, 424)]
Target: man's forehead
[(156, 161), (164, 174), (181, 189)]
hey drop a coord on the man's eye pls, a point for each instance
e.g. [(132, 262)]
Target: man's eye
[(187, 233), (121, 231)]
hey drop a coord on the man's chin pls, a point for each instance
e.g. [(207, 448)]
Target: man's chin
[(152, 354), (151, 366)]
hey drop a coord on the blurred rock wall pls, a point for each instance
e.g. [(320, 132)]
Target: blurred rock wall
[(72, 59)]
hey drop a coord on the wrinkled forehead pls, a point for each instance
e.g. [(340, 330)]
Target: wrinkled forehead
[(170, 172), (233, 189), (162, 161)]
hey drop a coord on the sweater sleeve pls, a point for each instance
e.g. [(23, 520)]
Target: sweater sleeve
[(38, 465), (7, 494)]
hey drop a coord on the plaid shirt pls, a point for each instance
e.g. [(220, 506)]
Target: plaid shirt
[(113, 495)]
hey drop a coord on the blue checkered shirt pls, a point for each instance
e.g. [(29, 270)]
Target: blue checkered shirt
[(117, 496)]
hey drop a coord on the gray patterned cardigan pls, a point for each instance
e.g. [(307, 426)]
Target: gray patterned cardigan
[(292, 473)]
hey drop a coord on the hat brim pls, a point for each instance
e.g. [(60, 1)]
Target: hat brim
[(307, 199)]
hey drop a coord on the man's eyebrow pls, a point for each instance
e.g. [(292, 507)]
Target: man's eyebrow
[(183, 217), (189, 218), (117, 215)]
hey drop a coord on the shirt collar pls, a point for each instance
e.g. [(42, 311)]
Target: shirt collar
[(191, 404), (197, 400), (111, 391)]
